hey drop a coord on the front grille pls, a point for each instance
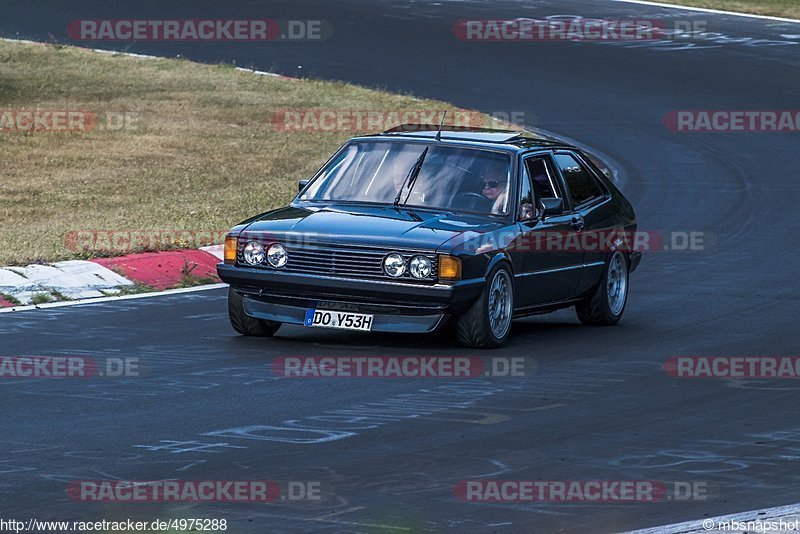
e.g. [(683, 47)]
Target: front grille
[(344, 261)]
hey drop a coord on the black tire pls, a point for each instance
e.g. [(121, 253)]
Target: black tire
[(473, 328), (448, 329), (243, 323), (596, 310)]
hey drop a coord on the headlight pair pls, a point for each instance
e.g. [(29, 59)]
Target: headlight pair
[(419, 267), (255, 254)]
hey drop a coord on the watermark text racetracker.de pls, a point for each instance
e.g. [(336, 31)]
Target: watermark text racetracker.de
[(378, 120), (733, 367), (66, 120), (732, 120), (570, 28), (401, 366), (603, 240), (199, 30), (67, 367), (608, 491), (132, 491), (129, 240)]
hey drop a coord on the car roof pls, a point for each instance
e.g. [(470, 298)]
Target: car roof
[(487, 137)]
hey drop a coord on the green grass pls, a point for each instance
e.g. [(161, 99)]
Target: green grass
[(189, 279), (203, 155), (41, 298), (58, 296), (135, 289), (44, 297), (777, 8)]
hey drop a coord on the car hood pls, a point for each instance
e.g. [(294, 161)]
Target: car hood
[(382, 226)]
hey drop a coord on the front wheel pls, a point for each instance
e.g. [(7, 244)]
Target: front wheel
[(243, 323), (606, 305), (487, 324)]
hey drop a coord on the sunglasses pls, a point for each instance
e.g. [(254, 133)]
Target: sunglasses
[(490, 185)]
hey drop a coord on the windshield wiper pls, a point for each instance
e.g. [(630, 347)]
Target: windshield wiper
[(411, 177)]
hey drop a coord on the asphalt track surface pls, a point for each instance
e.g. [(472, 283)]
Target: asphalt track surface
[(599, 404)]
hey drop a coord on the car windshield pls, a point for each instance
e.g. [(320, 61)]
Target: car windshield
[(449, 178)]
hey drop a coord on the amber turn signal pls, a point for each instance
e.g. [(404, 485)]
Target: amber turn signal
[(230, 249), (449, 267)]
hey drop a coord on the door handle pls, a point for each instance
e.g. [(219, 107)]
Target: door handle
[(578, 224)]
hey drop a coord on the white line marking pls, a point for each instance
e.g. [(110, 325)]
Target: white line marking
[(691, 527), (707, 10), (327, 515), (113, 299), (25, 41), (128, 54), (262, 73)]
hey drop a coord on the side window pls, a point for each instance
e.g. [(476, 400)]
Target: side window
[(539, 171), (582, 186), (537, 183), (525, 208)]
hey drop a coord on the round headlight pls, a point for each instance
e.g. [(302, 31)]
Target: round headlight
[(253, 253), (277, 255), (420, 267), (394, 265)]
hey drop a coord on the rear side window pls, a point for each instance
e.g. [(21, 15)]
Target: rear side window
[(583, 187), (540, 170)]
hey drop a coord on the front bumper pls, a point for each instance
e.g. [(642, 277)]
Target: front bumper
[(396, 307), (381, 322)]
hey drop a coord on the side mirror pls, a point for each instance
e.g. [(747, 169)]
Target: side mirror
[(302, 185), (552, 206)]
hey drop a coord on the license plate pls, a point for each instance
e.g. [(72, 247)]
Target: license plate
[(337, 319)]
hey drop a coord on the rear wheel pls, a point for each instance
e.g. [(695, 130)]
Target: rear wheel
[(243, 323), (487, 323), (606, 305)]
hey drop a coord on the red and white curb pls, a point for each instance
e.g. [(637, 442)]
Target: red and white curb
[(104, 277)]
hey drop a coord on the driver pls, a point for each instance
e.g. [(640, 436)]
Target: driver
[(494, 183)]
